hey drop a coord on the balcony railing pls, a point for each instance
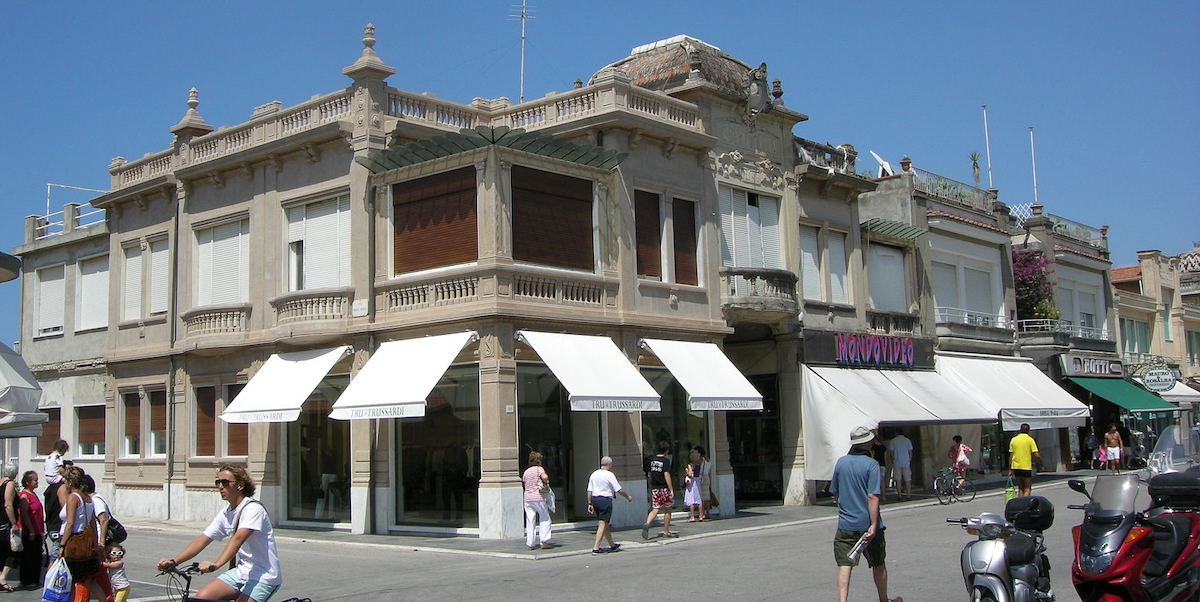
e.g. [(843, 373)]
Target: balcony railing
[(759, 282), (70, 218), (564, 291), (1077, 231), (953, 191), (891, 323), (445, 291), (313, 305), (973, 318), (1064, 327), (224, 319)]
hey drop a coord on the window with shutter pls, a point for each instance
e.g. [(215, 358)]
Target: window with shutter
[(237, 438), (133, 425), (158, 423), (886, 282), (434, 220), (725, 206), (979, 292), (945, 285), (1087, 309), (839, 282), (205, 442), (50, 431), (683, 217), (319, 244), (647, 220), (92, 310), (768, 231), (552, 219), (1066, 305), (160, 276), (132, 305), (810, 263), (89, 422), (223, 266), (51, 290)]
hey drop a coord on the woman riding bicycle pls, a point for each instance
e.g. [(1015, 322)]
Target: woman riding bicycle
[(256, 576)]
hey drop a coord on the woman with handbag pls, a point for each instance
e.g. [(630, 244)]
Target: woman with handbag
[(103, 520), (33, 530), (79, 541), (8, 521), (537, 516)]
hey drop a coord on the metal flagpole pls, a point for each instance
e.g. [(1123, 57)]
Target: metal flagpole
[(1033, 157), (987, 146)]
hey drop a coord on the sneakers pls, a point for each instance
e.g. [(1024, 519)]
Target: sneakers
[(616, 547), (646, 531)]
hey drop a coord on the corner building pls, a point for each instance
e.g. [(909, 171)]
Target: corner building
[(381, 302)]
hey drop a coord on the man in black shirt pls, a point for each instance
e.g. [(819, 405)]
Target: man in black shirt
[(662, 493)]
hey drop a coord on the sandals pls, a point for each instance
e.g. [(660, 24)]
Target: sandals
[(4, 587)]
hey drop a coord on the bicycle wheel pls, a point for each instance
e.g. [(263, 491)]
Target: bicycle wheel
[(965, 491), (943, 491)]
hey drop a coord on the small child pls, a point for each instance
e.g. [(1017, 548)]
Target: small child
[(114, 561)]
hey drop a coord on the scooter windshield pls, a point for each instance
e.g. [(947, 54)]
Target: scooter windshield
[(1116, 492)]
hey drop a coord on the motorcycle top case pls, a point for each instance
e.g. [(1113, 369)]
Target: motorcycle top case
[(1030, 513), (1176, 489)]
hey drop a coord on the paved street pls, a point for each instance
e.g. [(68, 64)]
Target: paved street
[(772, 553)]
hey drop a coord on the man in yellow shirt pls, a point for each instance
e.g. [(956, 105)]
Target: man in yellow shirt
[(1022, 450)]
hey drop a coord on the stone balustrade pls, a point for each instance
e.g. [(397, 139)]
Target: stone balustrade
[(313, 305), (217, 319)]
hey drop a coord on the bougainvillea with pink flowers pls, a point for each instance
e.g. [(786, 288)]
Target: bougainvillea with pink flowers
[(1035, 293)]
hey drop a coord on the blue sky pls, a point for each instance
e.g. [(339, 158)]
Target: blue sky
[(1112, 88)]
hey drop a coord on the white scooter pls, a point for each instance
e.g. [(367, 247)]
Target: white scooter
[(1007, 563)]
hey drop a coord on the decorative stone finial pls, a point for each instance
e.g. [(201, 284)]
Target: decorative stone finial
[(578, 83), (1036, 209), (777, 90), (368, 66), (192, 124)]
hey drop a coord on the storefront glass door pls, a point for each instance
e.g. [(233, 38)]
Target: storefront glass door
[(318, 458), (755, 446)]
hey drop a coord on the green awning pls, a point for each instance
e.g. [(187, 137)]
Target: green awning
[(893, 229), (1124, 394)]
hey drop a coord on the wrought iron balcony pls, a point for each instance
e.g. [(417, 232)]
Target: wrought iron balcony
[(1064, 327), (954, 315)]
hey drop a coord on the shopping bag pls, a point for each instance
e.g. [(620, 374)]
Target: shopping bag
[(58, 583), (14, 540), (550, 500), (1010, 490)]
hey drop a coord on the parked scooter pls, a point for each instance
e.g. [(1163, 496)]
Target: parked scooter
[(1007, 563), (1152, 556)]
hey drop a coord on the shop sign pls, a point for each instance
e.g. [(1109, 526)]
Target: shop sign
[(1158, 380), (1082, 365), (864, 350)]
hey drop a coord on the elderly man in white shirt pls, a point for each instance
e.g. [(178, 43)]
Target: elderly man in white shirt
[(601, 489)]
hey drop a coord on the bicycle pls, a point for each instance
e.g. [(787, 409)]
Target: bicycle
[(950, 487), (179, 585)]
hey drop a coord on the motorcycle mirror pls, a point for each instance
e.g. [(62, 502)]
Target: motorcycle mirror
[(1077, 485)]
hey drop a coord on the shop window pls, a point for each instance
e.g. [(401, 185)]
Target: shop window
[(552, 219), (434, 221), (647, 219), (674, 423), (756, 447), (50, 431), (438, 463), (568, 441), (318, 452), (89, 424)]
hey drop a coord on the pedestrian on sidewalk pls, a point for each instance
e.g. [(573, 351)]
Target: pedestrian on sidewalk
[(54, 498), (602, 487), (901, 451), (1022, 451), (537, 516), (33, 531), (691, 491), (707, 499), (662, 492), (879, 453), (1114, 444), (855, 489)]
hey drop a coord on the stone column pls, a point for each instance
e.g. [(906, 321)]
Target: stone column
[(796, 487), (501, 510)]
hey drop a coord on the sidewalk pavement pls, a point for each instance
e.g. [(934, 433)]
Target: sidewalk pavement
[(578, 541)]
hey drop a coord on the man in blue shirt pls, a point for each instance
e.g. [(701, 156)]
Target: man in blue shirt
[(855, 488)]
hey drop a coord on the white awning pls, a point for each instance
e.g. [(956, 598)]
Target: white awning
[(1179, 394), (827, 415), (944, 399), (277, 391), (1015, 389), (399, 376), (596, 374), (710, 379), (19, 396)]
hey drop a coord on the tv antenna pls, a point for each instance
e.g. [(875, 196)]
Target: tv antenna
[(524, 15), (885, 168)]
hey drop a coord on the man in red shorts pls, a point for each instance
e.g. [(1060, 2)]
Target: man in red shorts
[(662, 493)]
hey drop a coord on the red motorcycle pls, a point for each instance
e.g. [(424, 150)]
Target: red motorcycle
[(1127, 556)]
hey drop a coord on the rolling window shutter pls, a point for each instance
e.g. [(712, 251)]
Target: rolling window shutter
[(753, 251), (343, 234), (206, 421), (435, 222), (51, 289), (839, 285), (768, 218), (683, 216), (237, 435), (810, 263), (552, 219), (158, 410), (295, 217), (1066, 305), (1087, 305), (90, 424), (93, 293), (321, 245), (227, 256), (133, 283), (648, 232), (741, 232), (728, 236), (160, 275), (133, 415), (885, 278), (945, 285), (50, 431), (979, 291)]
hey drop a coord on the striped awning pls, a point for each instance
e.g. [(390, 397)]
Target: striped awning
[(892, 229)]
